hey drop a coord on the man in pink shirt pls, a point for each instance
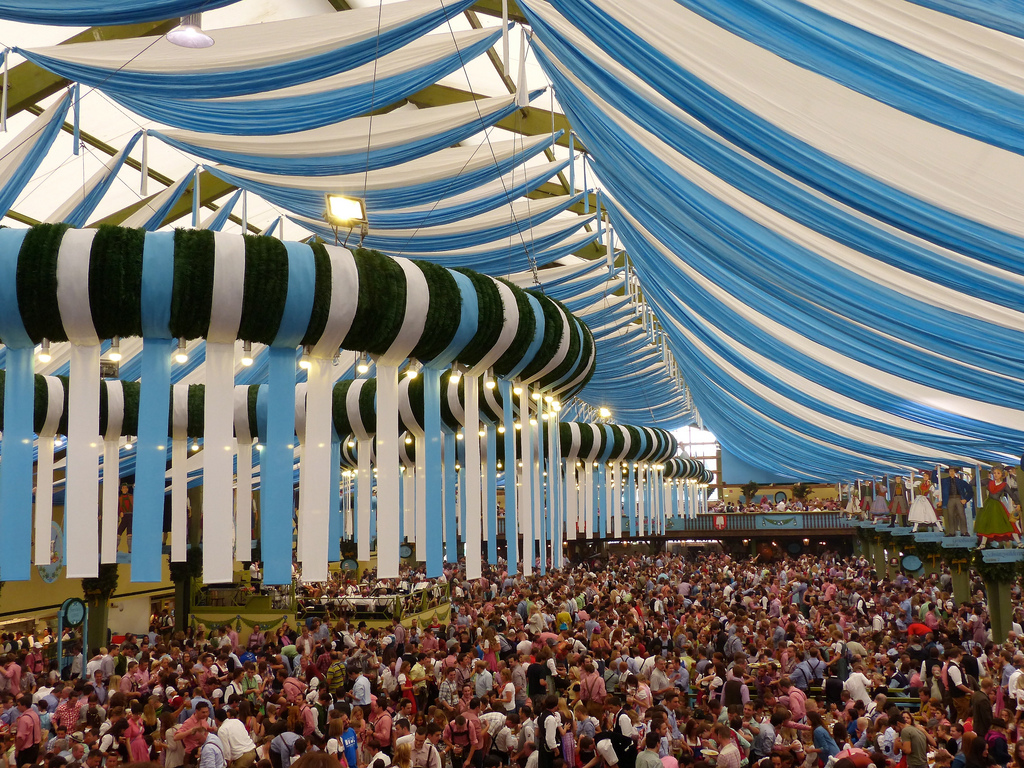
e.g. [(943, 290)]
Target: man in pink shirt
[(29, 732), (797, 699)]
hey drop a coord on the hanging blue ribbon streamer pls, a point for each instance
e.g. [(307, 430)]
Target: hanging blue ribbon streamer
[(19, 406), (542, 534), (572, 162), (334, 506), (631, 498), (154, 406), (674, 489), (277, 479), (511, 500), (451, 549), (401, 505), (432, 481)]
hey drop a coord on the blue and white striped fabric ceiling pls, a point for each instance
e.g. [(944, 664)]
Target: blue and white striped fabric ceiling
[(820, 200)]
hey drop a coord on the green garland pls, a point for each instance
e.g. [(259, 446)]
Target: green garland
[(381, 307), (491, 314), (524, 335), (115, 292), (321, 295), (266, 289), (1000, 572), (553, 329), (445, 311)]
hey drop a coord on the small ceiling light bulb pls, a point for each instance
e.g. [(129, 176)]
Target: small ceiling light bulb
[(351, 443), (501, 430), (195, 445), (458, 435), (305, 363), (518, 425), (517, 390), (544, 416), (408, 440), (128, 445), (181, 356), (482, 433), (363, 366), (533, 422), (604, 413), (246, 353), (536, 396), (114, 355), (549, 399), (456, 373), (44, 352)]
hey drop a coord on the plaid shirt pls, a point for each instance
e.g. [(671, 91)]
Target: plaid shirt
[(449, 693), (67, 714)]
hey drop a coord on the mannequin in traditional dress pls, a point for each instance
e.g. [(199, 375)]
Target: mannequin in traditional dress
[(898, 506), (879, 507), (853, 502), (995, 520), (955, 493), (921, 511)]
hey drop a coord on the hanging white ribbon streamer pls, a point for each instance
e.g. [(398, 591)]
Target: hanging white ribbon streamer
[(218, 406), (3, 124), (409, 502), (44, 469), (572, 497), (82, 492), (471, 506), (179, 473), (300, 435), (614, 505), (522, 92), (504, 37), (111, 471), (344, 300), (315, 470), (526, 498), (364, 498), (243, 482), (417, 301), (144, 171), (421, 499)]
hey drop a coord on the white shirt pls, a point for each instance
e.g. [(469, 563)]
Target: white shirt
[(857, 684), (235, 739)]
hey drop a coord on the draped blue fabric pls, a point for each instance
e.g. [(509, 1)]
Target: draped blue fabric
[(40, 145), (99, 13), (243, 80), (658, 210), (874, 66), (450, 210), (441, 238), (160, 212), (311, 202), (355, 162), (801, 161), (270, 114), (1003, 15), (83, 210), (223, 214)]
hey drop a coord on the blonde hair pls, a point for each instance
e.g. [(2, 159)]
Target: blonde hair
[(403, 756)]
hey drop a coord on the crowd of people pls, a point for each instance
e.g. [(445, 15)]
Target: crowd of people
[(627, 662)]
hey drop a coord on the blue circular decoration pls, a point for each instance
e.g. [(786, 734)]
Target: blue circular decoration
[(794, 547), (349, 565), (405, 551), (74, 612), (50, 573), (912, 563)]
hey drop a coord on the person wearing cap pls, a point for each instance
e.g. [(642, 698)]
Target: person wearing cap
[(239, 749)]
